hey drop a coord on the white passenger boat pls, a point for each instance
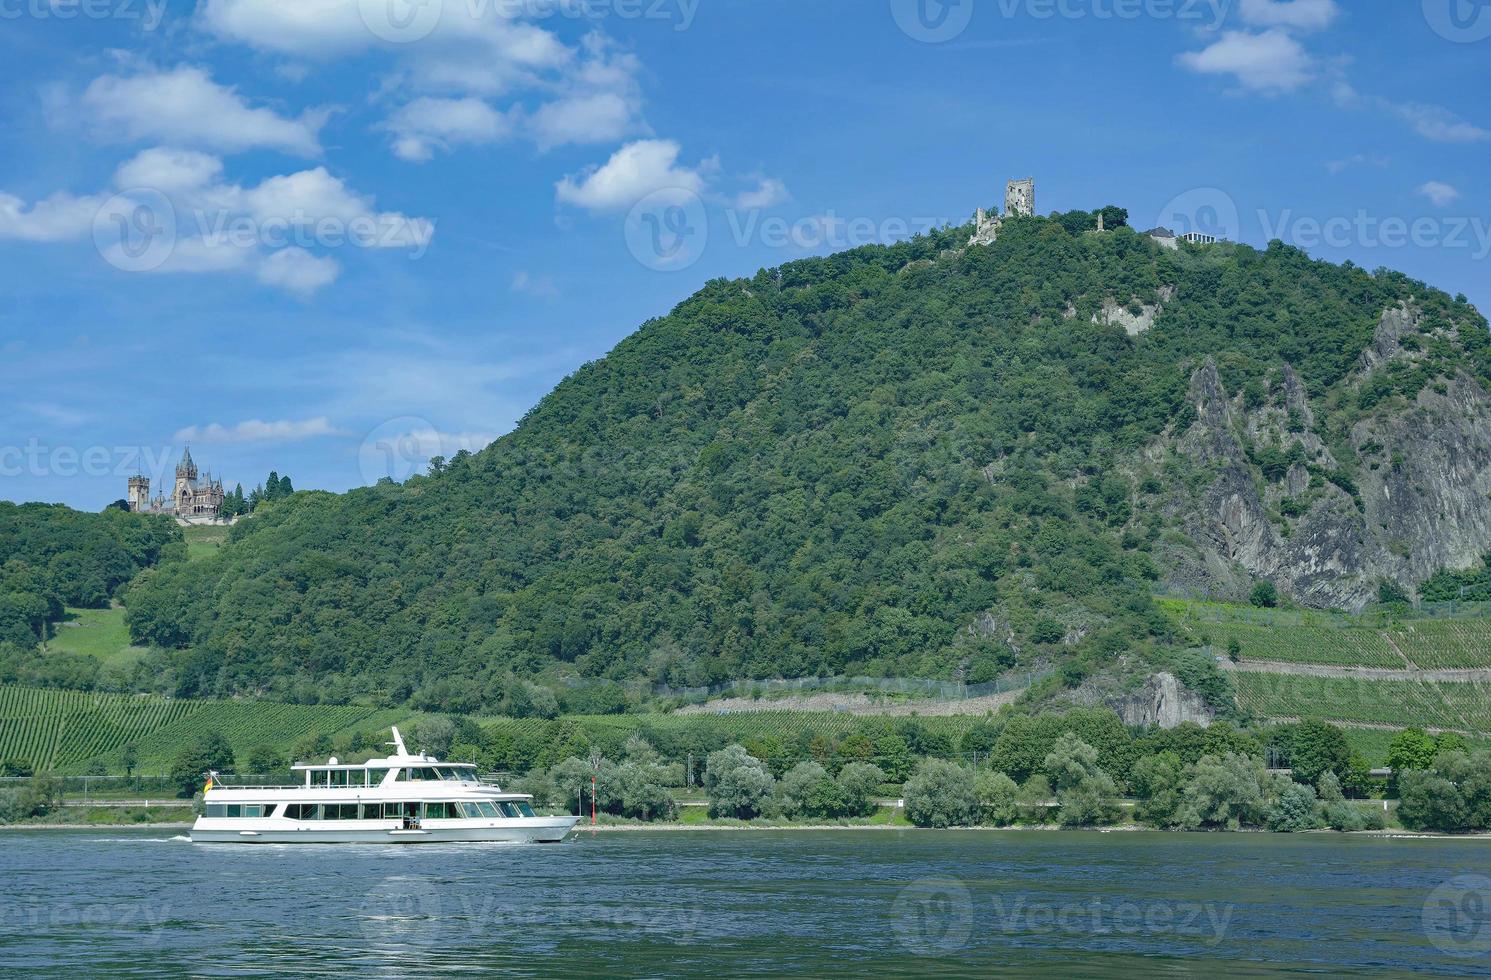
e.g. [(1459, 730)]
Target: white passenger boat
[(405, 798)]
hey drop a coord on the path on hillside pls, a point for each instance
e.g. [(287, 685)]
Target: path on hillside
[(1376, 726), (856, 704), (1451, 675)]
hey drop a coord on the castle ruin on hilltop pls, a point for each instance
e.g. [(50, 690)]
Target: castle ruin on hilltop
[(194, 499), (1019, 198)]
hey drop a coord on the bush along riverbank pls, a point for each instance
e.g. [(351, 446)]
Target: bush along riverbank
[(1045, 773), (1084, 768)]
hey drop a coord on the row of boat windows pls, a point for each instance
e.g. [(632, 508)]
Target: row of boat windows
[(374, 777), (374, 811)]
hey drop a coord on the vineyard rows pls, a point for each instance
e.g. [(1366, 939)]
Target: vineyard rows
[(63, 730), (1426, 643), (1464, 706)]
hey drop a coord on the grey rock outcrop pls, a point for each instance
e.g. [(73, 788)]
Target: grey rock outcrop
[(1165, 703), (1421, 480)]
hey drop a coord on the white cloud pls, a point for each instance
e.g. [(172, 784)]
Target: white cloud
[(1437, 123), (1298, 14), (1268, 62), (1433, 122), (768, 194), (313, 197), (61, 217), (214, 226), (598, 117), (1356, 160), (301, 27), (477, 41), (169, 170), (541, 286), (1439, 193), (253, 430), (426, 124), (298, 271), (186, 107), (635, 171)]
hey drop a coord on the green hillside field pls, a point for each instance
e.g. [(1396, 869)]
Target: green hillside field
[(63, 731), (97, 633), (1336, 639)]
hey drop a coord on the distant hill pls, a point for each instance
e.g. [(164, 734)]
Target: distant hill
[(924, 459)]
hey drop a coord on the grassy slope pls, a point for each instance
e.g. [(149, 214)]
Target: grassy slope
[(203, 542), (97, 633)]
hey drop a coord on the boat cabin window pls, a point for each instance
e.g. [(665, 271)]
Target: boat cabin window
[(442, 811), (340, 811), (231, 810), (526, 810), (452, 774), (372, 811), (303, 811)]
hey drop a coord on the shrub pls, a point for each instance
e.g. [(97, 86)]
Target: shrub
[(940, 794), (737, 782), (1294, 810), (996, 794), (211, 751), (1084, 791)]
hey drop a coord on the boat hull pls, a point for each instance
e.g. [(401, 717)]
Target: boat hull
[(539, 830)]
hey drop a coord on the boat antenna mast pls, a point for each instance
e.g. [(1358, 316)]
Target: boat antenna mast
[(398, 741)]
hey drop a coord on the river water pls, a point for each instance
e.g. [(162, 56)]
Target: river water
[(766, 903)]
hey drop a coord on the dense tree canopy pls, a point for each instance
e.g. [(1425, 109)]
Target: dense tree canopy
[(839, 466)]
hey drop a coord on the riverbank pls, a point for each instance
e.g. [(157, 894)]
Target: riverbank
[(762, 827)]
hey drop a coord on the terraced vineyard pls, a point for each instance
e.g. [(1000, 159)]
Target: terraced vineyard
[(1334, 639), (1460, 706), (62, 731), (57, 729)]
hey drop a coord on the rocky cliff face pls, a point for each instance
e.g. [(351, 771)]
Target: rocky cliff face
[(1163, 702), (1269, 498)]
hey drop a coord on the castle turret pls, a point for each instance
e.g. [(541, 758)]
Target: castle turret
[(186, 469), (139, 493)]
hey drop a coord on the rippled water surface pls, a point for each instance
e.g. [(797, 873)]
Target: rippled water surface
[(754, 902)]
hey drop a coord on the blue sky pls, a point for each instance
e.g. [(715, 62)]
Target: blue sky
[(332, 237)]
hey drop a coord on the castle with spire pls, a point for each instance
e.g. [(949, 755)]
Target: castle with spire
[(195, 499)]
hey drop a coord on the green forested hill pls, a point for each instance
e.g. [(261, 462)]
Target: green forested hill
[(52, 557), (899, 460)]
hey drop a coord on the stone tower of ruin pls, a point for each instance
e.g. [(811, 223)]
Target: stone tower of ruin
[(1019, 197)]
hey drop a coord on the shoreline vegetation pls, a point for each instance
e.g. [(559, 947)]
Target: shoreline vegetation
[(1026, 771)]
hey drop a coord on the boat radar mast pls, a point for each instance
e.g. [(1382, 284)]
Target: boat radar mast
[(398, 741)]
